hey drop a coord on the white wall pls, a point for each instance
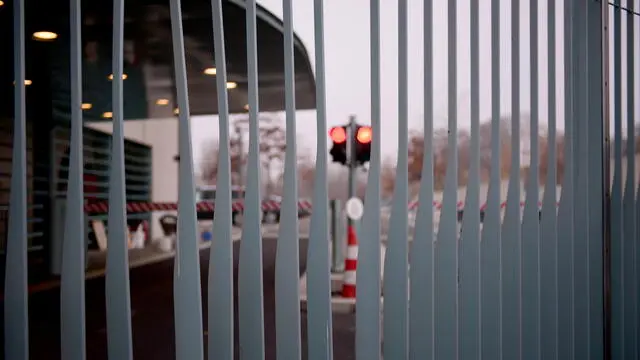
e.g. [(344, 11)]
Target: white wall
[(162, 136)]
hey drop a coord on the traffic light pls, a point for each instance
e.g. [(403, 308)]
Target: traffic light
[(363, 144), (360, 142), (338, 151)]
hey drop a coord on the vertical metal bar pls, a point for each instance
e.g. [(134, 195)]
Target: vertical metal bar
[(368, 274), (319, 322), (580, 252), (632, 155), (446, 254), (220, 292), (421, 257), (396, 276), (617, 246), (16, 307), (628, 200), (637, 248), (490, 246), (565, 210), (596, 184), (288, 345), (606, 108), (250, 292), (72, 303), (548, 260), (118, 305), (187, 301), (511, 236), (469, 306), (530, 254)]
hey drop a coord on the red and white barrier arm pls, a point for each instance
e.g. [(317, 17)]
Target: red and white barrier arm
[(205, 206)]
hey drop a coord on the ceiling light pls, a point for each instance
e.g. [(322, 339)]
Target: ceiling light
[(1, 2), (107, 115), (232, 85), (27, 82), (210, 71), (86, 106), (44, 35), (162, 102), (124, 76)]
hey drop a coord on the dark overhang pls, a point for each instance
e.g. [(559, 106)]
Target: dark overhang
[(149, 57)]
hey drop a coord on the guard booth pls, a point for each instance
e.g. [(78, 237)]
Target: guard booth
[(48, 121), (37, 197), (96, 184), (48, 174)]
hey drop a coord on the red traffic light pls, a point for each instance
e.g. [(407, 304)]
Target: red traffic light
[(364, 135), (338, 134)]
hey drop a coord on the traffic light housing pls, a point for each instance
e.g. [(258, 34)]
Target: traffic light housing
[(338, 151), (360, 141), (363, 136)]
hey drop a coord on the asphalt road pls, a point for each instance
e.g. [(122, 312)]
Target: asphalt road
[(152, 313)]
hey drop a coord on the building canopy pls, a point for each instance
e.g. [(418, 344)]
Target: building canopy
[(149, 86)]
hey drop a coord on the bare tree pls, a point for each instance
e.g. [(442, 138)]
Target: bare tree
[(388, 178), (544, 157), (306, 173), (272, 148), (441, 148), (486, 154), (440, 156), (209, 164), (273, 144)]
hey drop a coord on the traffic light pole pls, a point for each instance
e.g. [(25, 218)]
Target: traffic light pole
[(352, 164)]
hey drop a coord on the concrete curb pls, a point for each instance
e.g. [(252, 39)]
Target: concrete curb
[(339, 304)]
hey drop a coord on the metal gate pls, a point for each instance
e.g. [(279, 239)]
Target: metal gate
[(546, 282)]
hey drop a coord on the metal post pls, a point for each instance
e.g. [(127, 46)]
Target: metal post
[(337, 231), (337, 236), (352, 164), (351, 158)]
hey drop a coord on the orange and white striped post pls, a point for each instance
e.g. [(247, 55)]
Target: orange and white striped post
[(351, 262)]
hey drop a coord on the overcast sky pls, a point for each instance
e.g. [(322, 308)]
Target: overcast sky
[(348, 71)]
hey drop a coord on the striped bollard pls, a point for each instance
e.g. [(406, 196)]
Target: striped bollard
[(351, 262)]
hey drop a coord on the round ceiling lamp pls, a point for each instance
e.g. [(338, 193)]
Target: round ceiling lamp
[(44, 36)]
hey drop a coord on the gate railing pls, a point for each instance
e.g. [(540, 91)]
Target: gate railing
[(516, 289), (623, 249)]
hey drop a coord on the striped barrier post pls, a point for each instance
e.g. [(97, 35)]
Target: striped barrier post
[(350, 265)]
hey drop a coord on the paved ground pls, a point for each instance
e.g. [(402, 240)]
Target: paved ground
[(152, 313)]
